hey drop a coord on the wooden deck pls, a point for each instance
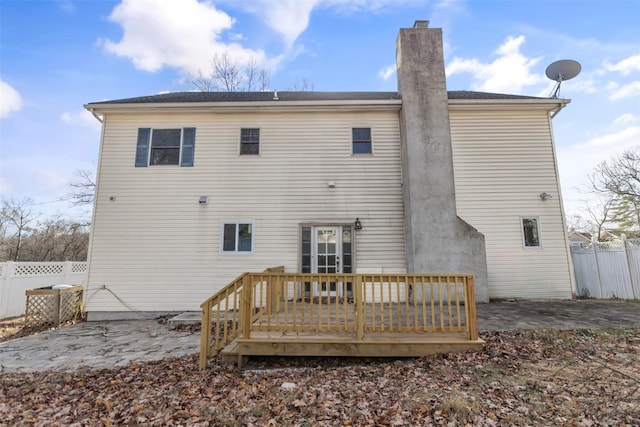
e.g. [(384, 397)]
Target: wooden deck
[(367, 316)]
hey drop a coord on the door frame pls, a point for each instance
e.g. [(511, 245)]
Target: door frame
[(324, 289), (314, 289)]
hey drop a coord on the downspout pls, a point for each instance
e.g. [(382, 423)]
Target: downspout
[(572, 276)]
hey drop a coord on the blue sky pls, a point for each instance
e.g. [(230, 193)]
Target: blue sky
[(56, 56)]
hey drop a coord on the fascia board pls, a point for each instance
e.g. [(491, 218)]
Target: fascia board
[(234, 107), (551, 104)]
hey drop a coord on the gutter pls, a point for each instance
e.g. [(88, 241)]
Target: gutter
[(559, 108), (93, 113)]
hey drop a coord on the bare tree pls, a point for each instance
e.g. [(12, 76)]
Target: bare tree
[(578, 224), (83, 187), (256, 78), (302, 85), (620, 178), (57, 239), (264, 80), (17, 215), (599, 212), (228, 76)]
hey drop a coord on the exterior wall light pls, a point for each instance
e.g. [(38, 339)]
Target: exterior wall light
[(203, 200), (357, 225), (544, 196)]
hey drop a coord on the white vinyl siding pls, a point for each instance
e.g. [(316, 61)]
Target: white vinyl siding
[(158, 248), (502, 161)]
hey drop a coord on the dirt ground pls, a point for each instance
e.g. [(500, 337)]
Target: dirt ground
[(14, 327), (579, 377)]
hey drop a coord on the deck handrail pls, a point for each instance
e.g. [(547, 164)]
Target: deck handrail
[(226, 303), (356, 304)]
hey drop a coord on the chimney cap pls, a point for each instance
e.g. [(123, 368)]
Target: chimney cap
[(421, 24)]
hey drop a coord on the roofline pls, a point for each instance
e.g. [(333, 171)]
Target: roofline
[(547, 104), (240, 106)]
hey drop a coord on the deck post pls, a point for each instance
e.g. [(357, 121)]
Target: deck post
[(472, 322), (245, 307), (359, 308), (205, 335)]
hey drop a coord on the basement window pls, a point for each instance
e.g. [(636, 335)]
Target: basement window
[(530, 232), (237, 236)]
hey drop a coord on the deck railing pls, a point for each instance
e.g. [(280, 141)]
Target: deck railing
[(221, 316), (339, 303)]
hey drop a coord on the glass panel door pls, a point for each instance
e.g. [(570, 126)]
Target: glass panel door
[(327, 245)]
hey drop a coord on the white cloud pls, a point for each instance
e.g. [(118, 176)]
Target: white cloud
[(625, 91), (510, 72), (626, 66), (625, 137), (10, 99), (183, 35), (575, 162), (355, 6), (52, 180), (5, 186), (66, 5), (387, 72), (586, 84), (289, 18), (81, 118), (625, 119)]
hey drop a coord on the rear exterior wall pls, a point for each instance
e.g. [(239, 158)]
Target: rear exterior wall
[(503, 160), (155, 248)]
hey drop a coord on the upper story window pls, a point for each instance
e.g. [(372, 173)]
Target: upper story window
[(361, 139), (249, 141), (165, 147), (530, 232), (237, 236)]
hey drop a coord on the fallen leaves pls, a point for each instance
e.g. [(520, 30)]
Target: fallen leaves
[(577, 378)]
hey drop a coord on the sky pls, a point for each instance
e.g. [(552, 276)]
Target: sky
[(57, 55)]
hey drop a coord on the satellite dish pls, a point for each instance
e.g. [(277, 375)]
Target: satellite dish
[(562, 70)]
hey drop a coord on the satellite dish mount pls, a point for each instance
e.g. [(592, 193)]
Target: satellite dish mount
[(562, 70)]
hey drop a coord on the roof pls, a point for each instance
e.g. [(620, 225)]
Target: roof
[(192, 97)]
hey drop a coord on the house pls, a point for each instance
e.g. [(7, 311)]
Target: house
[(579, 238), (195, 188)]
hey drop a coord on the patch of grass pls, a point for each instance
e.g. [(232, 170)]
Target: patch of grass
[(461, 409)]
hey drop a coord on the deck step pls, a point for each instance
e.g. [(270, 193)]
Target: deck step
[(378, 345), (186, 318)]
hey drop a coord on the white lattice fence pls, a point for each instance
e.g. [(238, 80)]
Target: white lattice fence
[(18, 277), (608, 269)]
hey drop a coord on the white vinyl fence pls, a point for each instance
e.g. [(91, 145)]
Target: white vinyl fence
[(608, 269), (18, 277)]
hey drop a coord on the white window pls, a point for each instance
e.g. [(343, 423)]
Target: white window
[(237, 236), (531, 232), (249, 141), (361, 141), (165, 147)]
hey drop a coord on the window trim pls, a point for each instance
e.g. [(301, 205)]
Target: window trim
[(237, 223), (538, 230), (353, 141), (240, 153), (144, 147), (151, 148)]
